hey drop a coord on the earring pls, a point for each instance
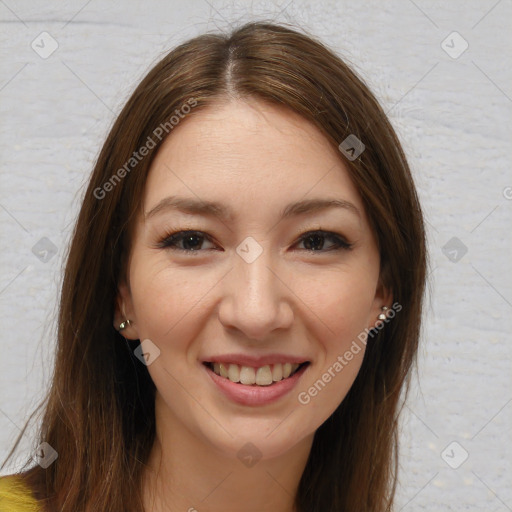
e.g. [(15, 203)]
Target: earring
[(383, 315), (125, 324)]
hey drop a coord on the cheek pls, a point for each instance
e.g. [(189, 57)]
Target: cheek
[(341, 300), (165, 299)]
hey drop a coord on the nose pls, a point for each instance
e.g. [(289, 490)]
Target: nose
[(256, 299)]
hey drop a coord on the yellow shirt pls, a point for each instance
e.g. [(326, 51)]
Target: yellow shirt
[(15, 496)]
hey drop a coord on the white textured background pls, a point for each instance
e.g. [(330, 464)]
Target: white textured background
[(453, 116)]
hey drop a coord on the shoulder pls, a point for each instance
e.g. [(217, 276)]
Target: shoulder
[(15, 496)]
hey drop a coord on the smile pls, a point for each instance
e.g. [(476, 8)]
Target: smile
[(254, 385), (249, 376)]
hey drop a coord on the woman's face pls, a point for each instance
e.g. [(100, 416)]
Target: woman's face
[(271, 278)]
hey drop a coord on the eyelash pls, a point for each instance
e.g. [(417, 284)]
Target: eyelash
[(170, 239)]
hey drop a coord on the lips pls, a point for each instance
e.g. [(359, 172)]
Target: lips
[(250, 370), (264, 375), (255, 394)]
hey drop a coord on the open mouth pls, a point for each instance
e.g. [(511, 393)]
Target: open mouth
[(263, 376)]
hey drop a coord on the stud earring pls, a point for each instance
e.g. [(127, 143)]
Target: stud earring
[(125, 324), (383, 315)]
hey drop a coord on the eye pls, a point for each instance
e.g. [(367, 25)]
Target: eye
[(314, 241), (191, 241)]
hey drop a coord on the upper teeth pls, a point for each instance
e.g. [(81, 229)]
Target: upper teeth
[(262, 376)]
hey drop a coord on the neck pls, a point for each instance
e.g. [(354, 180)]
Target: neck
[(187, 474)]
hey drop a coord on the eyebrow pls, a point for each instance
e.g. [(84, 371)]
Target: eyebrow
[(211, 208)]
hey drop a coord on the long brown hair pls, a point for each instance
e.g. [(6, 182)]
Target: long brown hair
[(99, 411)]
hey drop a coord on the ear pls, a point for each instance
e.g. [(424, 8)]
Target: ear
[(383, 297), (124, 311)]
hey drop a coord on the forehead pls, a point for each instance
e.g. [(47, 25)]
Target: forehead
[(250, 155)]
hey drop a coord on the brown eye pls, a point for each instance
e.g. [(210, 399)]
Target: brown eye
[(187, 241), (314, 241)]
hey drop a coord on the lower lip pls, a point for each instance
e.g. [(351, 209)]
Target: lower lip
[(255, 395)]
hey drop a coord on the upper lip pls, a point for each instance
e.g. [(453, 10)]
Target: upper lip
[(253, 360)]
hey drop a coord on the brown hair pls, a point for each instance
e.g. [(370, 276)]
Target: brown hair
[(99, 412)]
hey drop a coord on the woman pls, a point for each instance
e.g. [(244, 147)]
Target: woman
[(241, 303)]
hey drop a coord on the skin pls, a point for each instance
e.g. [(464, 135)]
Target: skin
[(255, 158)]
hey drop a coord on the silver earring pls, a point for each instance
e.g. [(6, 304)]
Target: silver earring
[(383, 315), (124, 325)]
